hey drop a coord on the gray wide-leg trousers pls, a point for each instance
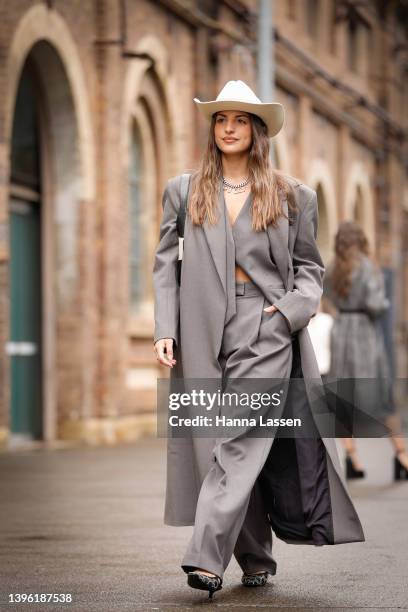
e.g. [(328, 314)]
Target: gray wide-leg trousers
[(230, 516)]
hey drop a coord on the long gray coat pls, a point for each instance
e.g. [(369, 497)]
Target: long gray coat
[(194, 316)]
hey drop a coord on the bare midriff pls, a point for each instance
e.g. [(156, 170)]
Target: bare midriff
[(240, 275)]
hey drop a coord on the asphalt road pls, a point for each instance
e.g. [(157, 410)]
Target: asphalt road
[(88, 521)]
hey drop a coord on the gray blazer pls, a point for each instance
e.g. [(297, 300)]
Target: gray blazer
[(305, 267)]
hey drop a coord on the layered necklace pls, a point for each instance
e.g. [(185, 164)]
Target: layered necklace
[(230, 188)]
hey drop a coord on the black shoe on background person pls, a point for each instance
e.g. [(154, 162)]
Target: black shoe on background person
[(400, 471), (351, 471)]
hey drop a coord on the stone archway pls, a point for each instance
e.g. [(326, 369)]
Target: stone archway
[(136, 73), (150, 106), (323, 238), (41, 24), (320, 180), (359, 202), (68, 191)]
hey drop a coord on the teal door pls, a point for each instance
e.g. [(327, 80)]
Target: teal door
[(24, 347)]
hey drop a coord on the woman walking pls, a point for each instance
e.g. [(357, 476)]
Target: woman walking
[(354, 284), (251, 279)]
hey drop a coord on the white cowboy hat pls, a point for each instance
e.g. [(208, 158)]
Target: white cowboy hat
[(236, 95)]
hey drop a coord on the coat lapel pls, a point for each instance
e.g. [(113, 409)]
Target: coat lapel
[(216, 239), (278, 238)]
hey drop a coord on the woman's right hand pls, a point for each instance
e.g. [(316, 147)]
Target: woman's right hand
[(165, 358)]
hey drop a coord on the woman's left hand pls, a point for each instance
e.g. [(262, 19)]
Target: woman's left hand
[(270, 309)]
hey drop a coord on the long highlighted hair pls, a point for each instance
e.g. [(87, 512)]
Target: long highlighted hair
[(268, 184), (349, 245)]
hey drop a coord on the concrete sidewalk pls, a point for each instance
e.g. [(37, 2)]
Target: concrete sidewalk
[(88, 522)]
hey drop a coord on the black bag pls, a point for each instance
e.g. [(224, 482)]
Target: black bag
[(181, 218)]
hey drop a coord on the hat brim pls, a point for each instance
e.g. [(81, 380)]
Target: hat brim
[(272, 113)]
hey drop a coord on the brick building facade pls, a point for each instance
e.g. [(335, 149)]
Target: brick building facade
[(96, 113)]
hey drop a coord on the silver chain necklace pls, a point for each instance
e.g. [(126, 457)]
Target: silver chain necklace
[(230, 188)]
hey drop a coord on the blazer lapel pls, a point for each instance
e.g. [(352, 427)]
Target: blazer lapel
[(279, 241), (278, 238)]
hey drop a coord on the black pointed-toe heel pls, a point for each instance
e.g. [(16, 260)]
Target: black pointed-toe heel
[(254, 580), (400, 471), (197, 580), (351, 471)]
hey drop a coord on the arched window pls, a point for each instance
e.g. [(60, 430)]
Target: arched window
[(135, 233), (359, 42)]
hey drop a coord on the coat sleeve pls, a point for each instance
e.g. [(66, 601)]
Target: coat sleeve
[(375, 299), (300, 304), (165, 284)]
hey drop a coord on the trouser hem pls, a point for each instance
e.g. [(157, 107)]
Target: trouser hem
[(193, 564), (252, 569)]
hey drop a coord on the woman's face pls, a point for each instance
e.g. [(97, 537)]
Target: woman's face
[(233, 131)]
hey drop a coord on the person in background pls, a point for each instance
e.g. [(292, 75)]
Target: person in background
[(354, 284), (319, 330)]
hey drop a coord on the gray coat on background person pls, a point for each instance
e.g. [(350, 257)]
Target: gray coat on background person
[(195, 314), (357, 345)]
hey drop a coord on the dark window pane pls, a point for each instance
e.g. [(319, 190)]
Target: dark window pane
[(25, 158)]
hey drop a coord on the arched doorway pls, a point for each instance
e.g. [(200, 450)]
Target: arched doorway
[(320, 178), (45, 207)]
